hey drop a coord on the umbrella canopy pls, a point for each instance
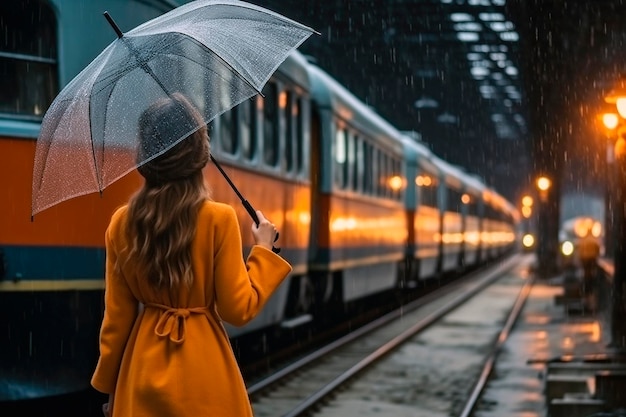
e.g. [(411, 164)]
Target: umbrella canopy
[(217, 53)]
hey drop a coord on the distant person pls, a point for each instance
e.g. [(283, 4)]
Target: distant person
[(588, 254), (174, 271)]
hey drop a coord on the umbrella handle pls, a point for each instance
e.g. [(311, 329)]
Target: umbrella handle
[(245, 202), (255, 218)]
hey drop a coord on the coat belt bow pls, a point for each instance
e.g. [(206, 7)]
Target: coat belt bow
[(172, 321)]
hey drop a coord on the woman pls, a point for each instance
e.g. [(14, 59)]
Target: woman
[(174, 271)]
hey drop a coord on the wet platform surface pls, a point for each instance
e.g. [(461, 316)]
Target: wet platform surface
[(549, 331)]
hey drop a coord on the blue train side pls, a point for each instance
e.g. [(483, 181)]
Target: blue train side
[(362, 207)]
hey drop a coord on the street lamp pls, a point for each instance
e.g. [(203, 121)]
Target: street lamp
[(615, 122), (544, 184), (545, 252)]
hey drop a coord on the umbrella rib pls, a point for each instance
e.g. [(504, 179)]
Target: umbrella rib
[(210, 51)]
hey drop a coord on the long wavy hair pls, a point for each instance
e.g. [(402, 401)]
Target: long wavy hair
[(162, 215)]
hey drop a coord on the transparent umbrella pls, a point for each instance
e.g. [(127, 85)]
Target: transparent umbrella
[(217, 53)]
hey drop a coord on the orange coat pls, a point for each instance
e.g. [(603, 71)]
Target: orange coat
[(588, 248), (164, 361)]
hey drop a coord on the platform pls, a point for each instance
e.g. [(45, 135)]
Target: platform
[(557, 361)]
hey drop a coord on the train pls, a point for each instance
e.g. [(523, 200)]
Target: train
[(362, 207)]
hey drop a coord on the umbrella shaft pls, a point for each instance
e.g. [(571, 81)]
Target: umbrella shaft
[(245, 202)]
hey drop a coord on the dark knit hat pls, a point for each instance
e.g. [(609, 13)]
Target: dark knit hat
[(161, 128)]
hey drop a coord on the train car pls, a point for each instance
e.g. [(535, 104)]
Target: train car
[(473, 207), (358, 228), (51, 279), (449, 225), (500, 220), (422, 212), (357, 205), (428, 216), (264, 146), (451, 195)]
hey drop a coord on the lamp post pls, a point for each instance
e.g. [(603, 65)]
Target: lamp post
[(544, 252), (527, 211), (610, 121), (618, 290)]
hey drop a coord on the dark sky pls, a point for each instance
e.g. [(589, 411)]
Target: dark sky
[(567, 54)]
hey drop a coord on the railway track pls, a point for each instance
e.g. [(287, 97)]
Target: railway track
[(447, 353)]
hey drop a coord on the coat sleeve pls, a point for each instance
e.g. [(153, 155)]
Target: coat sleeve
[(120, 312), (242, 289)]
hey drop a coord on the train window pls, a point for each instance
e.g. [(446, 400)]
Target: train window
[(270, 124), (290, 126), (349, 165), (228, 131), (472, 206), (453, 198), (368, 185), (397, 184), (359, 164), (28, 59), (299, 138), (386, 175), (380, 168), (383, 176), (427, 189), (247, 128), (389, 172), (339, 149)]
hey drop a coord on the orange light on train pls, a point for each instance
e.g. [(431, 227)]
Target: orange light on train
[(423, 181), (465, 199), (282, 100), (396, 183)]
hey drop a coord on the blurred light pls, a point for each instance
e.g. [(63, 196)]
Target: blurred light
[(447, 118), (567, 248), (342, 224), (528, 240), (490, 17), (426, 103), (610, 120), (479, 72), (423, 181), (621, 106), (511, 70), (543, 183), (396, 183), (509, 36), (468, 27), (596, 229), (501, 26), (465, 199), (583, 225), (527, 201), (461, 17), (527, 211), (467, 36), (568, 343)]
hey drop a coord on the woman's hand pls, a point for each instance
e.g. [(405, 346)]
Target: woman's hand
[(107, 408), (265, 233)]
